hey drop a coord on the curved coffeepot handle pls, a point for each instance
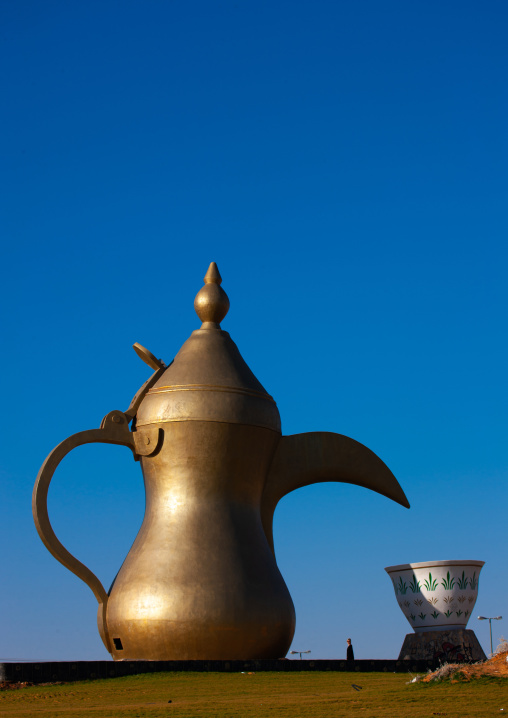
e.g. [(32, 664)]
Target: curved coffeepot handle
[(114, 430)]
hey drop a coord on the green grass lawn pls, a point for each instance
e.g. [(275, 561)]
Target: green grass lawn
[(227, 695)]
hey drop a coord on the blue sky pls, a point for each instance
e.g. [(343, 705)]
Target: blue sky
[(345, 164)]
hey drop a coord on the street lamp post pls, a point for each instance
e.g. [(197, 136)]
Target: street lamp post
[(490, 619), (300, 652)]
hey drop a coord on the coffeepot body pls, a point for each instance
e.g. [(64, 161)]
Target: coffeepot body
[(201, 580)]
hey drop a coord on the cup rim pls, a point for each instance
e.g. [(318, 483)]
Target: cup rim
[(431, 564)]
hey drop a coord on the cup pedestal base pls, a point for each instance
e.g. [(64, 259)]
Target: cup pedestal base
[(452, 646)]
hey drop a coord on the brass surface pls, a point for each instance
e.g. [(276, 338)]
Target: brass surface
[(147, 356), (209, 381), (304, 459), (201, 580)]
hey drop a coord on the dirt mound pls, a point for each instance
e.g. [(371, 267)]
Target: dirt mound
[(497, 667)]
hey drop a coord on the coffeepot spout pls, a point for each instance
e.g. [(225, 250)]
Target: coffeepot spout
[(314, 457)]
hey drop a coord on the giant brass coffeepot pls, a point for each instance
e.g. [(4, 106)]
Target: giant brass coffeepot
[(201, 580)]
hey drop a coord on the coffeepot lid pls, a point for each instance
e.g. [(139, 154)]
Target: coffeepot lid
[(208, 379)]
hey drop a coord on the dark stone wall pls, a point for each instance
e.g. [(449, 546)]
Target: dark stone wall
[(46, 672)]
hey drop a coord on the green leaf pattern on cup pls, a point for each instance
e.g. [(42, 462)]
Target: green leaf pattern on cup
[(415, 585), (400, 587), (448, 583), (431, 584), (462, 582)]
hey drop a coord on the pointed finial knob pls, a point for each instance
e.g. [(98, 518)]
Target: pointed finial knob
[(211, 302)]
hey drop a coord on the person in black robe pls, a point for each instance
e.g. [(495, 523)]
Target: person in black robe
[(350, 656)]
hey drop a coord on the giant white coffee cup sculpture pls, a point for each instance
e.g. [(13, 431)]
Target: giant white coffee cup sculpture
[(437, 598)]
